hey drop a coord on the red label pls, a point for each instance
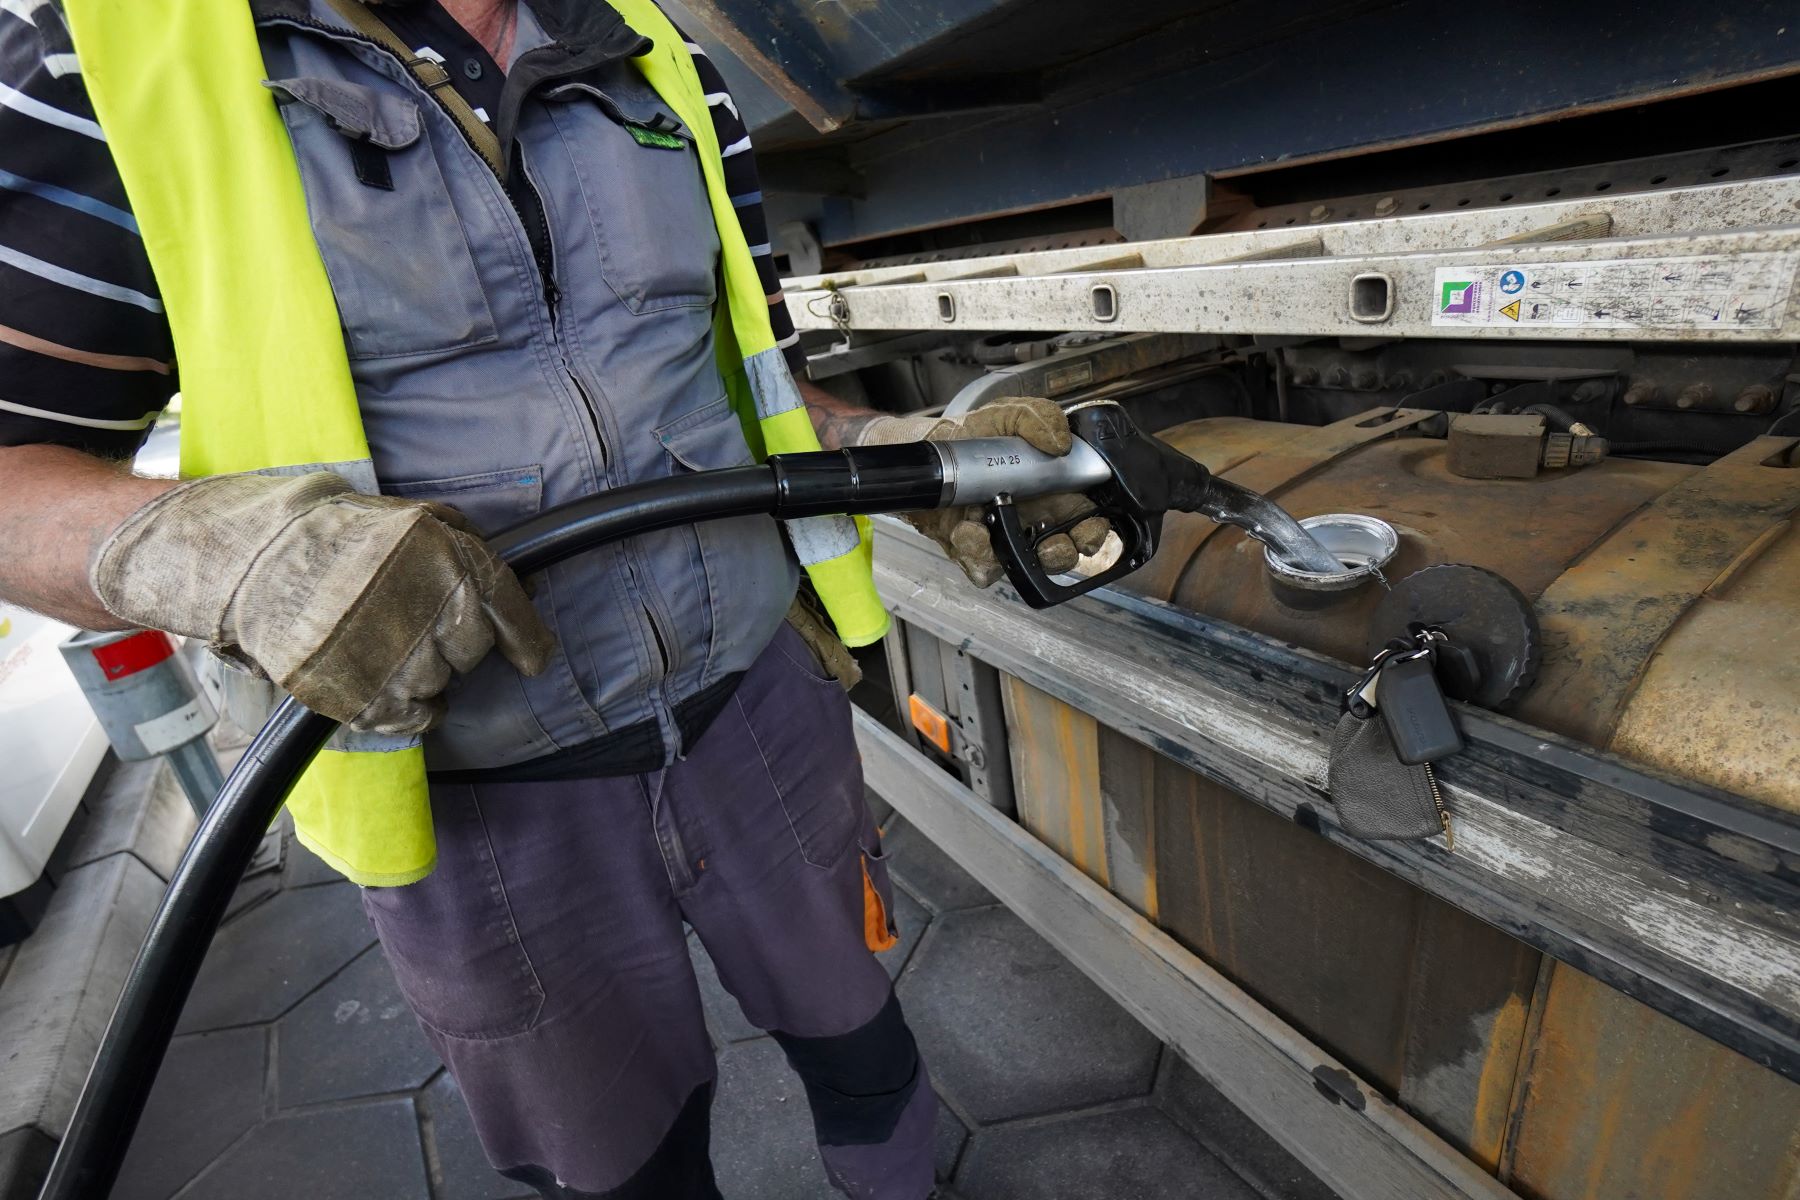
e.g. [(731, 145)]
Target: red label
[(130, 655)]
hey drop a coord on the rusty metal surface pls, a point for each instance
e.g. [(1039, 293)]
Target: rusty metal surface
[(1528, 531), (1620, 1103), (1605, 616), (1567, 1088), (1654, 581), (1128, 798), (1321, 937), (1741, 630), (1469, 1000), (1080, 795), (1571, 1091), (1423, 1001), (1056, 777)]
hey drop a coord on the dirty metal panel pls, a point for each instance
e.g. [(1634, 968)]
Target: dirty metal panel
[(1604, 617), (1528, 531), (1321, 937), (1269, 457), (1424, 1001), (1746, 737), (1465, 1028), (1621, 1103), (1056, 780), (1128, 798), (1679, 893), (1083, 791)]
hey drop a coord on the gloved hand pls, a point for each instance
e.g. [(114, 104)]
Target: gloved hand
[(359, 606), (808, 618), (960, 531)]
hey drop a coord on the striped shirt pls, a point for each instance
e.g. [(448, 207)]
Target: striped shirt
[(85, 353), (86, 358), (745, 189)]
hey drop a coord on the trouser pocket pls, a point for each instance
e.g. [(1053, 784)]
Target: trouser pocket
[(451, 938), (801, 729)]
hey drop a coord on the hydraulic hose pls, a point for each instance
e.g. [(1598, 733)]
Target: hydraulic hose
[(863, 480)]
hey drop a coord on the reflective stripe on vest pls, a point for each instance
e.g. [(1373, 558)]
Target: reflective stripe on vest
[(265, 379), (836, 551)]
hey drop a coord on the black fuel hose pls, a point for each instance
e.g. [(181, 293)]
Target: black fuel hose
[(866, 480)]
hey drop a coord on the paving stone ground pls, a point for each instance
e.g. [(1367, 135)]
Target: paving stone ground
[(299, 1075)]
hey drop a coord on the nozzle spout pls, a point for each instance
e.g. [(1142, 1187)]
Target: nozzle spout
[(1267, 522)]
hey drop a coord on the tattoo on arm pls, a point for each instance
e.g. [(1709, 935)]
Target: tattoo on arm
[(837, 422)]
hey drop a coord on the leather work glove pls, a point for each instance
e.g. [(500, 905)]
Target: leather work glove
[(360, 606), (960, 531)]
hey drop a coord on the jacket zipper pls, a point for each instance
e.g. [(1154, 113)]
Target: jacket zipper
[(1437, 801), (552, 306), (552, 297), (663, 654)]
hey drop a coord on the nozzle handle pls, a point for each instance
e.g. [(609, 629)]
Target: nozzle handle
[(1017, 546)]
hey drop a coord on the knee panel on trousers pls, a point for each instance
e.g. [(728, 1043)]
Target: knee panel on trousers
[(858, 1083), (680, 1168)]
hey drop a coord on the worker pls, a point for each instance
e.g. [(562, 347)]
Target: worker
[(431, 267)]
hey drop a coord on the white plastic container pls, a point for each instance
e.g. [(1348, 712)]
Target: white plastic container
[(50, 745)]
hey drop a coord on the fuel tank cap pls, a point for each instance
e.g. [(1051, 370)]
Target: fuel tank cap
[(1479, 610)]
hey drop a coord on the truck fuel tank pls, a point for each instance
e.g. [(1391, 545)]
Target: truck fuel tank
[(1667, 592)]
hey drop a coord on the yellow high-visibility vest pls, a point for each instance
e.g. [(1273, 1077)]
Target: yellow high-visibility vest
[(265, 378)]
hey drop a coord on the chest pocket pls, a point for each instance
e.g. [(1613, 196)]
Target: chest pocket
[(640, 176), (387, 229)]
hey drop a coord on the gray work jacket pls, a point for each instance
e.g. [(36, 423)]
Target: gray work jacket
[(483, 388)]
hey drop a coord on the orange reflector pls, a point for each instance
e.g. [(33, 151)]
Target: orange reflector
[(931, 724)]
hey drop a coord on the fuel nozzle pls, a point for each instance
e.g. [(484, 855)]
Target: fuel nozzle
[(1146, 478)]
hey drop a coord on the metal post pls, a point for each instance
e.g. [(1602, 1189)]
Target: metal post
[(150, 705), (197, 771)]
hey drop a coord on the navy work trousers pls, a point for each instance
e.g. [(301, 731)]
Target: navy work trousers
[(546, 955)]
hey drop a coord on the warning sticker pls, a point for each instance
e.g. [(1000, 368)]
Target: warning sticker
[(1742, 291)]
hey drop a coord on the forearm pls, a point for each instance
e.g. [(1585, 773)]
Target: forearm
[(837, 422), (56, 507)]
